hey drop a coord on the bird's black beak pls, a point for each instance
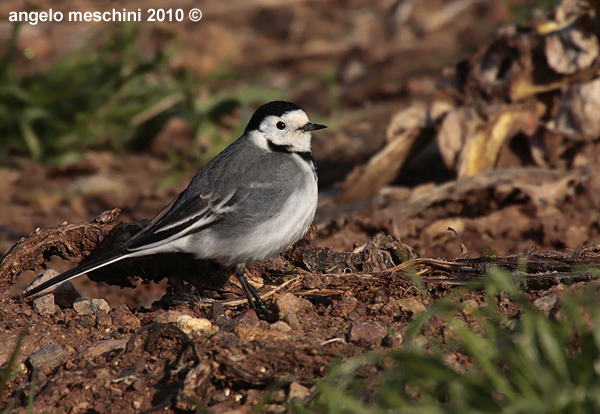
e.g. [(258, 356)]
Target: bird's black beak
[(311, 127)]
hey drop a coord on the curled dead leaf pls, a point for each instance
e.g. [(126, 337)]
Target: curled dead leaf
[(405, 136), (471, 143)]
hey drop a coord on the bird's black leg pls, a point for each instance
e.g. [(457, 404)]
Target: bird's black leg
[(254, 299)]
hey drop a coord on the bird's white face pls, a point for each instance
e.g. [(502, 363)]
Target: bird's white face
[(286, 130)]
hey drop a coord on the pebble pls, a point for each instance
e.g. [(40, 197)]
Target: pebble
[(546, 303), (123, 317), (88, 321), (190, 324), (90, 306), (281, 326), (366, 333), (48, 358), (412, 305), (44, 305), (102, 319), (290, 303), (292, 320), (298, 392), (65, 294)]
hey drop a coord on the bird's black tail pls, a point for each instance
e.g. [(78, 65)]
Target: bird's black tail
[(97, 263)]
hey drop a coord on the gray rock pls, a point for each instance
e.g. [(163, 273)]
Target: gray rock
[(64, 294), (48, 358), (90, 306), (44, 305)]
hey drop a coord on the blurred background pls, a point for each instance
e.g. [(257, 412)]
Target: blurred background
[(97, 115)]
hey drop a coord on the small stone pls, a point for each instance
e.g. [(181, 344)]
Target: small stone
[(123, 317), (101, 347), (65, 293), (292, 320), (90, 306), (44, 305), (290, 303), (88, 321), (353, 315), (48, 358), (281, 326), (411, 305), (298, 392), (366, 333), (546, 303), (189, 324), (102, 319)]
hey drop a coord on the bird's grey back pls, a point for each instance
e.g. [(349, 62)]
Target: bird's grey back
[(243, 167)]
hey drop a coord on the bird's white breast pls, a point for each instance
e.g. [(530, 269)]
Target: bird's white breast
[(286, 228), (268, 238)]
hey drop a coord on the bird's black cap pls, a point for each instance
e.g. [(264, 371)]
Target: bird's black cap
[(275, 108)]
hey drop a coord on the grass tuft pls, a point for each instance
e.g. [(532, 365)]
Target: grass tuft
[(527, 363)]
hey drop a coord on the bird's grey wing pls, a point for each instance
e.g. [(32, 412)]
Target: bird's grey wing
[(240, 188), (185, 215)]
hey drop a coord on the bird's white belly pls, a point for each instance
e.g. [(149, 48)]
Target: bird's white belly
[(269, 238), (265, 240)]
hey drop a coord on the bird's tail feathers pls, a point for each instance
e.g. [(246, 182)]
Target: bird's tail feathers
[(97, 263)]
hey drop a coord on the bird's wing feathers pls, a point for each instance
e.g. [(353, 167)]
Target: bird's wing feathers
[(202, 204), (189, 216)]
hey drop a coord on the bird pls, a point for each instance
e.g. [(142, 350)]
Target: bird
[(248, 204)]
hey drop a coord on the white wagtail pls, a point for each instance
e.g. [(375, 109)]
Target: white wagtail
[(250, 203)]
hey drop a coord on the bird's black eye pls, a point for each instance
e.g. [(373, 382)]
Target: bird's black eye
[(280, 125)]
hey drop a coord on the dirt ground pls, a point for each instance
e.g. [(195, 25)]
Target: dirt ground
[(336, 294)]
